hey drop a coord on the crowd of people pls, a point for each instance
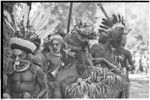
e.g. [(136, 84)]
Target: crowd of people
[(141, 62), (39, 73)]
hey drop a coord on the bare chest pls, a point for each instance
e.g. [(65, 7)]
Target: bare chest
[(54, 60), (22, 76), (22, 81)]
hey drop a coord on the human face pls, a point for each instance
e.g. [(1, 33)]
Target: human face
[(120, 29), (56, 45), (124, 40), (18, 56)]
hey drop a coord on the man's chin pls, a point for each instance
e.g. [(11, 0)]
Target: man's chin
[(21, 64), (55, 50)]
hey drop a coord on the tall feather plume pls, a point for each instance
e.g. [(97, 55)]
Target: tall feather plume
[(104, 27), (119, 17), (8, 20), (123, 21), (40, 23), (114, 19), (15, 17)]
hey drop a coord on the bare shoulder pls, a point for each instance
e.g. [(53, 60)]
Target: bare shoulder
[(97, 46), (36, 68), (127, 52)]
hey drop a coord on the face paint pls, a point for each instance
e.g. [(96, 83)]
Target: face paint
[(56, 45), (18, 56), (17, 51), (20, 62)]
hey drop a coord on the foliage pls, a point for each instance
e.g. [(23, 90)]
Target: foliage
[(102, 83)]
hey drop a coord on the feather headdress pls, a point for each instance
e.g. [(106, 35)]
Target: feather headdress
[(27, 22), (112, 28), (117, 21)]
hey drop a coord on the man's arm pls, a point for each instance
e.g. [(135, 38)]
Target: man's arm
[(97, 50), (6, 91), (69, 52), (41, 81), (129, 58)]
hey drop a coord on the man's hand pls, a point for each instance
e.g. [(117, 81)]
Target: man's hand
[(70, 53), (40, 78), (99, 59), (131, 68), (27, 95), (6, 95)]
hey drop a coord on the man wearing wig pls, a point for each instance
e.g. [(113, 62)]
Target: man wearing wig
[(24, 77), (54, 61)]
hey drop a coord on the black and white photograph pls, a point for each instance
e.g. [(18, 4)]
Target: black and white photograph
[(74, 49)]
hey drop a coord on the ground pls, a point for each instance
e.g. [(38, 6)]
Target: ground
[(139, 86)]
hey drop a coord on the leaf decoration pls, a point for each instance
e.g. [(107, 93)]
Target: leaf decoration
[(101, 84)]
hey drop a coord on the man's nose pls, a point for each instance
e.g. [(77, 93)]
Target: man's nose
[(17, 57), (55, 46), (17, 60)]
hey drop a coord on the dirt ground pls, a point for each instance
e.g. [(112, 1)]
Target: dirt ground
[(139, 86)]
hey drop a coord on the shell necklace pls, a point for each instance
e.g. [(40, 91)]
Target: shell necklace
[(25, 67)]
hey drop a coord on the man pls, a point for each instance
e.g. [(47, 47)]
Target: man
[(54, 61), (112, 39), (24, 76), (38, 58), (124, 56), (124, 59), (54, 56)]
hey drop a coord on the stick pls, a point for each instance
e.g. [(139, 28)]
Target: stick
[(69, 19), (103, 10), (29, 4)]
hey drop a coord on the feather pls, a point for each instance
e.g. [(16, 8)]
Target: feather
[(45, 23), (119, 18), (34, 16), (8, 16), (25, 13), (45, 18), (103, 19), (98, 90), (123, 21), (107, 22), (9, 19), (38, 20), (49, 29), (103, 27), (9, 25), (15, 17), (114, 21)]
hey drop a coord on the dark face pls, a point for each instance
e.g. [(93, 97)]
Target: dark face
[(19, 57), (56, 45), (87, 33), (114, 37), (120, 29), (124, 40)]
